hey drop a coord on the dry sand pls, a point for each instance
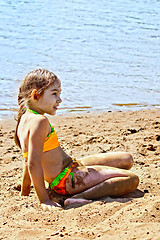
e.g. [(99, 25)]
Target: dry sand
[(134, 216)]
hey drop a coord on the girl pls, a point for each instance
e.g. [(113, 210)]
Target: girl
[(89, 178)]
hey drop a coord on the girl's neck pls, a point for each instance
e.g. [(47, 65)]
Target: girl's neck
[(34, 110), (30, 110)]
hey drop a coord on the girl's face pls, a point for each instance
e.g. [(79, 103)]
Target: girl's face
[(50, 100)]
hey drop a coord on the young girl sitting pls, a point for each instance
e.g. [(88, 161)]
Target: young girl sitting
[(88, 178)]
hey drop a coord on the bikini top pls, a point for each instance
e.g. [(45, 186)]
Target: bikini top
[(51, 141)]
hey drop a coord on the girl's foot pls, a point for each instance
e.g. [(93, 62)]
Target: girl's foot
[(70, 201)]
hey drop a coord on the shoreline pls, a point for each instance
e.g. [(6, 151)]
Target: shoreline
[(74, 114), (86, 109), (133, 216)]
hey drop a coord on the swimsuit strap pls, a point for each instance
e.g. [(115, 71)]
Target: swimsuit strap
[(52, 129), (30, 110)]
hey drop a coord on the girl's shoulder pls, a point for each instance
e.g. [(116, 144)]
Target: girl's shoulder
[(34, 128), (34, 123), (39, 122)]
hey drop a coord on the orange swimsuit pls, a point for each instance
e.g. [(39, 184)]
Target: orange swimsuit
[(51, 142)]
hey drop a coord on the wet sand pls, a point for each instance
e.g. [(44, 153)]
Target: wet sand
[(133, 216)]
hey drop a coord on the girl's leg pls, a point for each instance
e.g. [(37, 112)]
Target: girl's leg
[(111, 187), (99, 181), (121, 160)]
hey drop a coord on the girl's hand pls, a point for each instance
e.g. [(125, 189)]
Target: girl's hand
[(49, 205)]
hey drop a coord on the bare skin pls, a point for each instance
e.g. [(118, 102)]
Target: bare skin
[(107, 181), (26, 181), (101, 174), (121, 160)]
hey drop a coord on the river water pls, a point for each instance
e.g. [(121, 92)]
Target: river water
[(106, 53)]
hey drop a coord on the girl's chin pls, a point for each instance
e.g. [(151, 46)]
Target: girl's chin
[(54, 111)]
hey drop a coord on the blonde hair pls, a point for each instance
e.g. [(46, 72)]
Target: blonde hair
[(38, 79)]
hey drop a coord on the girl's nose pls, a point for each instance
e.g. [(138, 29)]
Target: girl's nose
[(59, 100)]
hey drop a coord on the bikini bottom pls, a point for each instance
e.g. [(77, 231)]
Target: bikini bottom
[(58, 184)]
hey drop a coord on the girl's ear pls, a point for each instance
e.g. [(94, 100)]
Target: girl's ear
[(35, 95)]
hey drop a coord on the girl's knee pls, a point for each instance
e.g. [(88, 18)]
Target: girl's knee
[(135, 181), (128, 161)]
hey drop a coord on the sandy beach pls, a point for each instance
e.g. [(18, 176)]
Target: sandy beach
[(133, 216)]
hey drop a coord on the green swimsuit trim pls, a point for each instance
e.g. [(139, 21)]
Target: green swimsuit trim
[(60, 176)]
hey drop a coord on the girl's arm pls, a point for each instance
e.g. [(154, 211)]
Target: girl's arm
[(36, 141), (26, 182)]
